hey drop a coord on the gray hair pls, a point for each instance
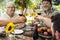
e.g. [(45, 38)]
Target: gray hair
[(9, 3)]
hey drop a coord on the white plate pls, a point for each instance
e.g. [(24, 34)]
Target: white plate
[(2, 29), (17, 31)]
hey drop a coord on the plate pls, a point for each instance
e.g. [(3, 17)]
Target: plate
[(45, 36), (17, 31)]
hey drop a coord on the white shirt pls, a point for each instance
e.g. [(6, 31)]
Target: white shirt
[(5, 16)]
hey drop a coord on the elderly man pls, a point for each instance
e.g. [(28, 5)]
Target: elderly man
[(11, 16)]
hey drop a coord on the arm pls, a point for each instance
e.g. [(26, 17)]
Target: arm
[(46, 20), (20, 19), (17, 20), (4, 22)]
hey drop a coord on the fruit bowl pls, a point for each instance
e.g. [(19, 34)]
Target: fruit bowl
[(47, 37), (44, 32)]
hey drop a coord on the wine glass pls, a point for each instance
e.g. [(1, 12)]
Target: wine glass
[(20, 14), (33, 14), (26, 14)]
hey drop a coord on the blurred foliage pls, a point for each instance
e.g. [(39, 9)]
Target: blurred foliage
[(57, 7), (2, 6), (56, 2), (26, 3), (22, 4)]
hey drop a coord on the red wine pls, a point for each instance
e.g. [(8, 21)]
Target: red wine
[(39, 13), (35, 35), (20, 14)]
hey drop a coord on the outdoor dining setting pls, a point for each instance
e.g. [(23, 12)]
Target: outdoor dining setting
[(29, 19)]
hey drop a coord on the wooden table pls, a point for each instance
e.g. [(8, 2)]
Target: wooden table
[(20, 37)]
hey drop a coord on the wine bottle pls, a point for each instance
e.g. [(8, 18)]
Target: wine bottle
[(35, 35)]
